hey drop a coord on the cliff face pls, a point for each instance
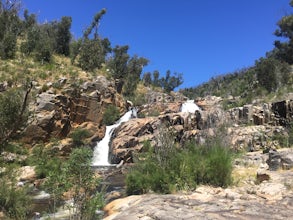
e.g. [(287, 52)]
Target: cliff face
[(55, 114)]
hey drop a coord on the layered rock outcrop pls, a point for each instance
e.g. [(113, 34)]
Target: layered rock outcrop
[(249, 128), (55, 113)]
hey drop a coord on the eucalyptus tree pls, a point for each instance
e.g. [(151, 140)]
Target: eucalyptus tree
[(92, 48), (285, 30)]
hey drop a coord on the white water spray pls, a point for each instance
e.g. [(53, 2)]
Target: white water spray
[(101, 151), (189, 106)]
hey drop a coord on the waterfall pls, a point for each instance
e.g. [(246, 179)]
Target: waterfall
[(189, 106), (101, 151)]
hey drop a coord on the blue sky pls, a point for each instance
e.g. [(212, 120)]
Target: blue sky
[(198, 38)]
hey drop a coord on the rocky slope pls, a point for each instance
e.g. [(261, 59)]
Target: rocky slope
[(250, 128), (262, 192)]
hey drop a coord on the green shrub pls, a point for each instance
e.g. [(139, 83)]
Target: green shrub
[(8, 46), (111, 115), (12, 114), (91, 54), (83, 183), (45, 160), (78, 136), (14, 201), (166, 168)]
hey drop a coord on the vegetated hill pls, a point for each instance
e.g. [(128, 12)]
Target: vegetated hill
[(269, 79), (245, 85), (72, 97)]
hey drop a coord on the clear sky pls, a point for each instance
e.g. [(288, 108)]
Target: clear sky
[(198, 38)]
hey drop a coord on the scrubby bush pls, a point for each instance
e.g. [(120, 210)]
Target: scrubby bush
[(83, 184), (13, 114), (91, 54), (74, 175), (111, 115), (14, 201), (45, 160), (78, 136), (166, 168)]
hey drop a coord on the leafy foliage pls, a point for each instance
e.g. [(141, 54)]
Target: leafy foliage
[(284, 50), (165, 168), (168, 83), (63, 36), (134, 69), (12, 113), (74, 175), (45, 159), (10, 26), (92, 51), (111, 115), (92, 54), (78, 136), (14, 201), (83, 184)]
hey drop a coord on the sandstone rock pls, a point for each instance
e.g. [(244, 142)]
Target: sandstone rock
[(3, 86), (34, 133), (27, 173), (56, 114), (129, 137), (283, 111), (209, 102)]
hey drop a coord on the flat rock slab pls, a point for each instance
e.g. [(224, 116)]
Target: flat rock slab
[(202, 204)]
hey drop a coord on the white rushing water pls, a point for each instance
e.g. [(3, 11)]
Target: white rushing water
[(101, 151), (189, 106)]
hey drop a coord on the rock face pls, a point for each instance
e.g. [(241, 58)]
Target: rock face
[(250, 128), (280, 160), (56, 113), (278, 113), (130, 136)]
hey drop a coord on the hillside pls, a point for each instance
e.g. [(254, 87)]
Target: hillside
[(244, 87), (59, 96)]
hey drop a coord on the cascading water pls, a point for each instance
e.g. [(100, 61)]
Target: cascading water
[(189, 106), (101, 151)]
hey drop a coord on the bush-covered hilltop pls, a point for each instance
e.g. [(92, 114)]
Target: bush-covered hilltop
[(271, 74), (22, 38)]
